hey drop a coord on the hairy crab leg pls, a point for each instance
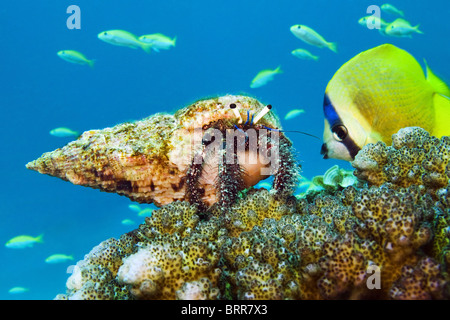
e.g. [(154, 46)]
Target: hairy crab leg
[(230, 180), (286, 178)]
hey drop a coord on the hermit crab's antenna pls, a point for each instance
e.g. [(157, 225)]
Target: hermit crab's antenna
[(262, 113), (235, 109)]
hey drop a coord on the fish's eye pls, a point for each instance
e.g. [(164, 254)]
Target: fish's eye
[(299, 27), (106, 33), (339, 132)]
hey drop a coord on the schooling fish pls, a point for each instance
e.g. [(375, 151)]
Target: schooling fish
[(158, 41), (73, 56), (375, 94), (401, 28), (311, 37), (263, 77), (124, 39), (376, 22), (17, 290), (389, 8), (293, 113), (63, 132), (23, 241), (304, 54), (58, 258)]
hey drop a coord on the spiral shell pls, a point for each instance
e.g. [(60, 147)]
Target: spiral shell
[(146, 160)]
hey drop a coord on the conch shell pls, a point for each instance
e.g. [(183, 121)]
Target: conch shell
[(151, 160)]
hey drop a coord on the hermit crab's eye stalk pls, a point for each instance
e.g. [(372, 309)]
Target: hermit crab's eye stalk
[(262, 113), (235, 109)]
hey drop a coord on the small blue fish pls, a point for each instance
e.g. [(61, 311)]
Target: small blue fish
[(263, 77), (18, 290), (293, 113), (23, 241), (58, 258), (389, 8), (147, 212), (134, 207), (63, 132), (127, 222)]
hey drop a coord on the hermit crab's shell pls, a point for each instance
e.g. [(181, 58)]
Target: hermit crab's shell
[(147, 160)]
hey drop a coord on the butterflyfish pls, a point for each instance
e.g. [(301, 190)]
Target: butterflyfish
[(376, 93)]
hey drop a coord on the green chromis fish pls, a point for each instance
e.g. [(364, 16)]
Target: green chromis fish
[(63, 132), (304, 54), (134, 207), (124, 39), (18, 290), (158, 41), (75, 57), (372, 20), (263, 77), (265, 185), (147, 212), (311, 37), (401, 28), (58, 258), (127, 222), (293, 113), (389, 8), (375, 94), (24, 241)]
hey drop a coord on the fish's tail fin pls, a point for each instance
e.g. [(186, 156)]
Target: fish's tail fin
[(91, 63), (438, 85), (315, 58), (332, 46), (40, 238), (441, 103), (278, 70), (174, 41), (416, 28)]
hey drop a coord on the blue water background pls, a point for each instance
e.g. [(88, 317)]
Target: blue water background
[(221, 46)]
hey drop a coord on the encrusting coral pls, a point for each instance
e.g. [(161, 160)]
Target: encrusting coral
[(386, 240)]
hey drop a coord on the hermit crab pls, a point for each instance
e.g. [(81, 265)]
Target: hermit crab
[(205, 153)]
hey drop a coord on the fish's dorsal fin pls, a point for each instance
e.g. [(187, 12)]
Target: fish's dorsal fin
[(438, 85)]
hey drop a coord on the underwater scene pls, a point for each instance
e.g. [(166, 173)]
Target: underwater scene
[(225, 150)]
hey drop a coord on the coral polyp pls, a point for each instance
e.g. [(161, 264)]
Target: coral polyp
[(204, 153)]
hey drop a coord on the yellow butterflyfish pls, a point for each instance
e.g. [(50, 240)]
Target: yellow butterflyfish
[(375, 94)]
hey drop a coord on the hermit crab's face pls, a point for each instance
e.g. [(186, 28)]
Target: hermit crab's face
[(253, 146), (235, 151)]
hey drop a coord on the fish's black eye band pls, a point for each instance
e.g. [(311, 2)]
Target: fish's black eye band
[(335, 122)]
